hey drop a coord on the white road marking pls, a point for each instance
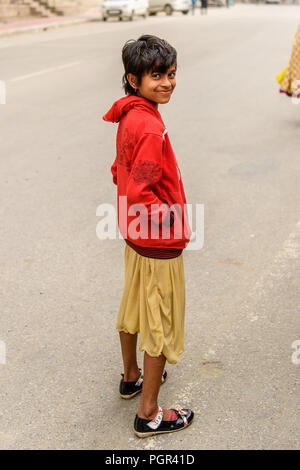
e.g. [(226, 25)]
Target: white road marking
[(290, 249), (41, 72), (278, 269)]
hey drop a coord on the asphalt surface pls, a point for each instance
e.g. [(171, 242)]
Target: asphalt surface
[(236, 140)]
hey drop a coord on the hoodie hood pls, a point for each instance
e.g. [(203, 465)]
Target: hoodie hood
[(123, 105)]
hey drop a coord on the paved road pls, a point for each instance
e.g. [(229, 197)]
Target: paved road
[(237, 143)]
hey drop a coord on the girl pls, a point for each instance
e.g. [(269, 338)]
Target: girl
[(148, 181)]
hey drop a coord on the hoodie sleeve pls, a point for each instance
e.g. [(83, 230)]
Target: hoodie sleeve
[(146, 172), (113, 170)]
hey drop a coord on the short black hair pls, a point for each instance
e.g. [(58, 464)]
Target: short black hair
[(147, 53)]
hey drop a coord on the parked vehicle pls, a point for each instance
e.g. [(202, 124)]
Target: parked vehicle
[(273, 1), (169, 6), (124, 9), (216, 3)]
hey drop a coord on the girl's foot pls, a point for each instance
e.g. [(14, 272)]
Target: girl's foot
[(165, 421), (130, 389)]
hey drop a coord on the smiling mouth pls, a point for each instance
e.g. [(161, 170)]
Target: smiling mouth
[(165, 92)]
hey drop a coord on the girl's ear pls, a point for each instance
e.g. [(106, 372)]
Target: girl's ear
[(132, 80)]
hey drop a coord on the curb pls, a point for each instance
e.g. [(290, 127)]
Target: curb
[(46, 26)]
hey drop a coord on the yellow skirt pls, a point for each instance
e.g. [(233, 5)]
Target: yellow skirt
[(153, 304)]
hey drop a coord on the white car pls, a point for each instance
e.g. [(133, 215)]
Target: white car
[(216, 3), (168, 6), (124, 9)]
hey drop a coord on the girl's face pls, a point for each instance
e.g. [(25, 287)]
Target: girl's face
[(156, 86)]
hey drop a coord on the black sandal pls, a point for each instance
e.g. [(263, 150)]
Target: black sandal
[(150, 427), (130, 389)]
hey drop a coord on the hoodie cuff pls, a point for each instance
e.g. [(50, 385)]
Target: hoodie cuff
[(172, 215)]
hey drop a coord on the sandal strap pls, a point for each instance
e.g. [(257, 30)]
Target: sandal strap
[(181, 413), (139, 381), (141, 378), (156, 422)]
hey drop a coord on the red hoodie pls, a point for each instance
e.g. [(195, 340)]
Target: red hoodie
[(146, 172)]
